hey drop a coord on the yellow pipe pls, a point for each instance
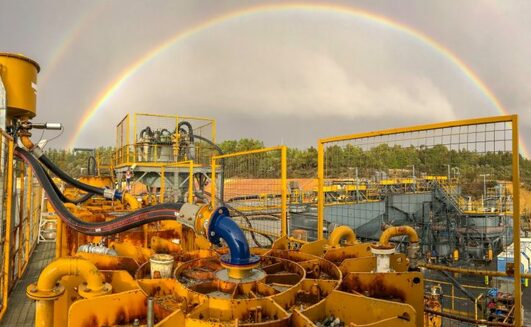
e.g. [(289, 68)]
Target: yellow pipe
[(340, 233), (70, 267), (48, 287), (396, 231), (131, 201)]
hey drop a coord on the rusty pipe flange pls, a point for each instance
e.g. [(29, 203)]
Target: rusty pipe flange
[(35, 294)]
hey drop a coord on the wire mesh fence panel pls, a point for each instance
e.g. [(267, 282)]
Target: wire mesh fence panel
[(255, 191), (453, 182), (202, 137)]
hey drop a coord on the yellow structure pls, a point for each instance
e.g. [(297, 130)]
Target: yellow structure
[(19, 75), (213, 276)]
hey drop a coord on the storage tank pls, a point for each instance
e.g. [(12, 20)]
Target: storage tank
[(19, 76)]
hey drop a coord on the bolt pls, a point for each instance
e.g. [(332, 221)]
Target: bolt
[(220, 211), (212, 234)]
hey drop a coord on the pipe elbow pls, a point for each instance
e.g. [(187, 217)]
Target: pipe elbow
[(342, 232), (396, 231), (131, 201), (222, 227), (61, 267)]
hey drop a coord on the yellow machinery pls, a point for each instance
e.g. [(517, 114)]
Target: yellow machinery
[(190, 264)]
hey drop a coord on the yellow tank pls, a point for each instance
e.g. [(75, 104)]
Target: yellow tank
[(19, 75)]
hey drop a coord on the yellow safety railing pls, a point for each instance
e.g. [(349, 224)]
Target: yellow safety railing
[(444, 148), (19, 220), (255, 189)]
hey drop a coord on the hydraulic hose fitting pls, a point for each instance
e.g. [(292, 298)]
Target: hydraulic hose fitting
[(111, 194), (239, 261)]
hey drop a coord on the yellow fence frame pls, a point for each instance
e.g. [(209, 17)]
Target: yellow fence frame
[(283, 180), (122, 154), (513, 119), (27, 228)]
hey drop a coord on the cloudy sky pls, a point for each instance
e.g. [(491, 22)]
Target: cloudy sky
[(285, 75)]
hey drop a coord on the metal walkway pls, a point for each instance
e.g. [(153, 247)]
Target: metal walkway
[(21, 310)]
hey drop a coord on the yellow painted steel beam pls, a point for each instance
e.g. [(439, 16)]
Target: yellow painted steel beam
[(213, 182), (162, 185), (516, 222), (191, 182), (243, 153), (457, 123), (320, 191), (284, 190), (8, 225)]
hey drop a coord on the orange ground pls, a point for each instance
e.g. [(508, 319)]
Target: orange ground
[(244, 186)]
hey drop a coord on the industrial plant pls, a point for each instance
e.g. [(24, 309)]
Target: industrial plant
[(409, 226)]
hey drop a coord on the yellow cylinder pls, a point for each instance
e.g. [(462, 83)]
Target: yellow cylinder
[(19, 75), (456, 255)]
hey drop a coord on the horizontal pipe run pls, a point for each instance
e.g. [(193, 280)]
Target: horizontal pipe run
[(466, 319), (470, 271)]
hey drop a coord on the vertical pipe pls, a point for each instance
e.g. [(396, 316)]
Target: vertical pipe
[(284, 191), (320, 191), (7, 241), (44, 313), (213, 182), (134, 137), (516, 224), (191, 182), (150, 315)]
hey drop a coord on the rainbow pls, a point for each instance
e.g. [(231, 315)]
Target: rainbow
[(72, 35), (357, 13)]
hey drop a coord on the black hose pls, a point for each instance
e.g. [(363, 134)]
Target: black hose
[(63, 198), (190, 129), (67, 178), (222, 175), (146, 130), (165, 211)]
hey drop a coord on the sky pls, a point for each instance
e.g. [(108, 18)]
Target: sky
[(282, 75)]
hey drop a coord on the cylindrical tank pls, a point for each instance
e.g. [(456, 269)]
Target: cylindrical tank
[(19, 75)]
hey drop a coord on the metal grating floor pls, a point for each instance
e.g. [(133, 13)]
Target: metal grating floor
[(21, 310)]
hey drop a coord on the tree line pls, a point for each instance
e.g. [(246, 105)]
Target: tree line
[(342, 162)]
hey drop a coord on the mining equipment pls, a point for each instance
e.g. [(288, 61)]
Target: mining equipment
[(176, 253)]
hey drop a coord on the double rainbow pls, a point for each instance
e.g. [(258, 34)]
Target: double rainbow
[(282, 7)]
